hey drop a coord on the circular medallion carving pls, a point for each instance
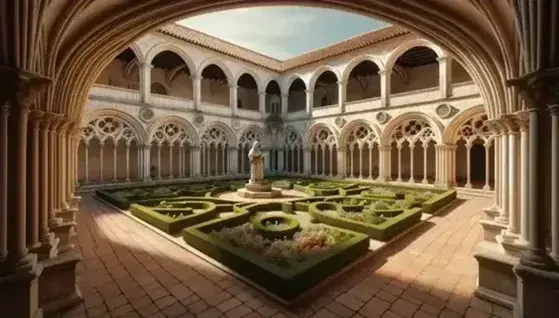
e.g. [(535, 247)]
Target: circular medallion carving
[(236, 124), (198, 119), (444, 110), (340, 122), (382, 117), (146, 114)]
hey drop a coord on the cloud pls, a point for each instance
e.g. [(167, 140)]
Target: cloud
[(281, 32)]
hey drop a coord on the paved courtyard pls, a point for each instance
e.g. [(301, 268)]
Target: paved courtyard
[(130, 271)]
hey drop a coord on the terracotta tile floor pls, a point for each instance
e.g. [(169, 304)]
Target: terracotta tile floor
[(130, 271)]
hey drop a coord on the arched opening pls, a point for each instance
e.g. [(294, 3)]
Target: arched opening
[(297, 100), (122, 72), (413, 154), (325, 90), (292, 153), (214, 86), (247, 93), (362, 153), (363, 82), (171, 76), (214, 155), (171, 152), (108, 152), (459, 73), (475, 154), (323, 152), (414, 70), (273, 98)]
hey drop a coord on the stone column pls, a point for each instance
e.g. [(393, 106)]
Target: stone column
[(309, 101), (262, 103), (307, 160), (385, 163), (62, 167), (279, 160), (445, 76), (496, 207), (145, 82), (342, 90), (233, 160), (444, 164), (503, 217), (4, 113), (513, 173), (197, 90), (146, 158), (524, 175), (284, 103), (233, 98), (385, 76), (55, 121), (554, 110), (33, 184)]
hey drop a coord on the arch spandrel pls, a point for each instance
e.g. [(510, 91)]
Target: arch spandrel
[(412, 126)]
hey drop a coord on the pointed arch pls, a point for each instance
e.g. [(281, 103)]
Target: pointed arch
[(268, 80), (134, 124), (395, 122), (180, 122), (358, 60), (348, 128), (452, 130), (231, 139), (316, 128), (407, 45), (319, 71), (219, 63), (259, 134), (166, 46)]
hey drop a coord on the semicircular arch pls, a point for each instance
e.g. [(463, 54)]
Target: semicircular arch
[(254, 76), (138, 52), (407, 45), (224, 68), (292, 78), (358, 60), (319, 71), (166, 46)]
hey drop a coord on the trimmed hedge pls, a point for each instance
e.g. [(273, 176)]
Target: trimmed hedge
[(286, 283), (438, 201), (155, 216), (381, 232), (259, 223)]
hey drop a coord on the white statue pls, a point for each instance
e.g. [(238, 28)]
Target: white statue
[(256, 158)]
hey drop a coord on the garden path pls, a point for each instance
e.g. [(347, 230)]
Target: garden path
[(130, 271)]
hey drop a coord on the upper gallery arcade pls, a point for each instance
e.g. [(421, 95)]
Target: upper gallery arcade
[(386, 105)]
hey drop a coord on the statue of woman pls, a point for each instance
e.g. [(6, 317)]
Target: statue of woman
[(256, 158)]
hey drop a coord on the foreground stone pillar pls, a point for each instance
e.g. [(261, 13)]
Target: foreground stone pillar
[(19, 270), (554, 110)]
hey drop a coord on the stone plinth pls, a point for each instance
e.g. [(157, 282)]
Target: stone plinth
[(259, 190)]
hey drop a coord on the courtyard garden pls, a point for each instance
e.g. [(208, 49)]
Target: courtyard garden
[(284, 247)]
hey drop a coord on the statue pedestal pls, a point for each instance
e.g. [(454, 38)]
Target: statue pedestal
[(259, 190)]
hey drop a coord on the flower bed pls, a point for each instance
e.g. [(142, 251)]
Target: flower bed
[(381, 220), (285, 267), (171, 217)]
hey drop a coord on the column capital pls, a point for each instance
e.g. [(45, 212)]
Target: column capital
[(64, 126), (196, 77), (554, 110), (496, 126), (55, 120), (146, 65), (386, 72), (523, 120), (539, 88), (262, 93), (445, 58), (341, 83), (193, 147), (309, 91), (233, 86), (21, 86), (511, 123), (36, 118), (284, 95), (233, 148)]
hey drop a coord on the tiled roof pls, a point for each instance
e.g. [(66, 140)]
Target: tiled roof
[(233, 50)]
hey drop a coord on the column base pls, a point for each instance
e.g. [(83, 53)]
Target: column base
[(48, 248), (443, 185), (19, 294), (64, 232), (491, 230), (512, 243), (57, 285), (492, 212), (538, 291), (75, 202), (67, 215), (496, 281)]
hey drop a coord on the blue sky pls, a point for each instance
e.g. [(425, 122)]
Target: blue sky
[(282, 32)]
